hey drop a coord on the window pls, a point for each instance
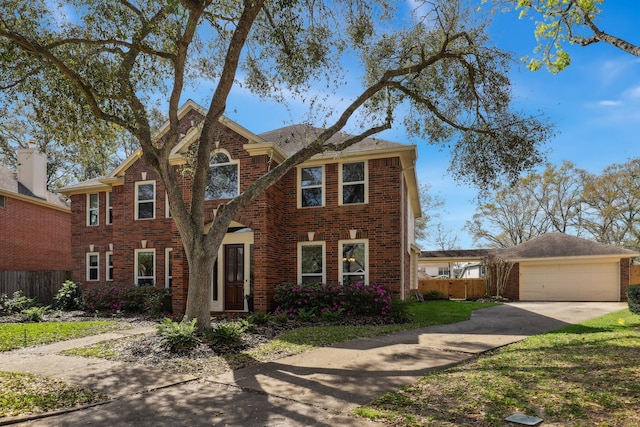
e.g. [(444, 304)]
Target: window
[(167, 209), (93, 267), (168, 271), (443, 271), (223, 178), (109, 266), (311, 263), (109, 208), (354, 261), (311, 181), (353, 188), (145, 200), (2, 202), (145, 267), (93, 206)]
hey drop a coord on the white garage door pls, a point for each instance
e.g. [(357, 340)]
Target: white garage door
[(593, 281)]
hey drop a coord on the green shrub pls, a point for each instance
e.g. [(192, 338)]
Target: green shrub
[(69, 297), (307, 315), (350, 300), (434, 295), (124, 299), (178, 337), (633, 298), (259, 318), (33, 314), (16, 304), (399, 311), (228, 333)]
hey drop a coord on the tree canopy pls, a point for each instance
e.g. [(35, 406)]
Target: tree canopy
[(111, 61)]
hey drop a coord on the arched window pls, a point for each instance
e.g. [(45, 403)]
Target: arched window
[(223, 178)]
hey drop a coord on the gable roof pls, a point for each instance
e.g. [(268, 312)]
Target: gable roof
[(561, 245), (10, 186)]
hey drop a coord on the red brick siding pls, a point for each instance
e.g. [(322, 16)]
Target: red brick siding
[(512, 290), (624, 277), (34, 237)]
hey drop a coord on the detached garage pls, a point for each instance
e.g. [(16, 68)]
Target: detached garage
[(559, 267)]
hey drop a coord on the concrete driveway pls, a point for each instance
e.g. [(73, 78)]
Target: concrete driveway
[(320, 387)]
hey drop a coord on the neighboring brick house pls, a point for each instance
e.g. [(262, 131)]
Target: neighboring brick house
[(339, 217), (35, 224)]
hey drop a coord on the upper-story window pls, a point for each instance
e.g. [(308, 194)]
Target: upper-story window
[(145, 200), (223, 177), (2, 202), (109, 218), (93, 207), (311, 183), (353, 183)]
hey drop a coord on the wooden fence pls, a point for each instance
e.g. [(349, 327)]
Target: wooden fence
[(634, 275), (455, 288), (41, 285)]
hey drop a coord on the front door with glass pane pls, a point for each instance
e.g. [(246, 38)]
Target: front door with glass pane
[(234, 277)]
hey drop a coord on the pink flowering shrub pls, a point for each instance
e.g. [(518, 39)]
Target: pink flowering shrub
[(333, 300)]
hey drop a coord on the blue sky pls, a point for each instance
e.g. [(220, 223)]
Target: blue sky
[(595, 105)]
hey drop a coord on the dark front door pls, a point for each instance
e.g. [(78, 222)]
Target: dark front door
[(233, 277)]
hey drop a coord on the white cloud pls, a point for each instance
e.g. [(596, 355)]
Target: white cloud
[(609, 103)]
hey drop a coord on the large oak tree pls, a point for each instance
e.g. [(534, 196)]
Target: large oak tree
[(436, 74)]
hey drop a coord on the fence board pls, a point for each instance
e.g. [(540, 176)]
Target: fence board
[(634, 275), (455, 288), (41, 285)]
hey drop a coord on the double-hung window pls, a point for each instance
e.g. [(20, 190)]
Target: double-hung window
[(311, 184), (354, 262), (311, 262), (93, 266), (145, 200), (145, 267), (109, 267), (353, 183), (109, 218), (93, 207), (223, 178)]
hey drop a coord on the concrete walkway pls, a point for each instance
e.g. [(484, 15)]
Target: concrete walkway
[(317, 388)]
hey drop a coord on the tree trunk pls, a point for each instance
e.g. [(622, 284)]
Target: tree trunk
[(199, 291)]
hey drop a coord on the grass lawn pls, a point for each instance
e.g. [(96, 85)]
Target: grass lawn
[(582, 375), (18, 335)]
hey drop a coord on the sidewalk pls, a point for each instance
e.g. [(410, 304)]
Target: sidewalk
[(317, 388)]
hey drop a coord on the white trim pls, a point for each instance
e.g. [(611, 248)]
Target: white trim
[(322, 186), (167, 209), (341, 244), (230, 239), (89, 267), (341, 183), (167, 262), (90, 209), (137, 202), (108, 266), (324, 258), (135, 267)]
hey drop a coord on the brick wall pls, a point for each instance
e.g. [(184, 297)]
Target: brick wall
[(624, 277), (512, 290), (34, 237)]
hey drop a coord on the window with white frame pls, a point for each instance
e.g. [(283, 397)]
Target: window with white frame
[(443, 271), (93, 266), (109, 266), (311, 262), (353, 183), (109, 218), (145, 267), (145, 200), (167, 209), (311, 183), (93, 208), (223, 177), (354, 261), (168, 269)]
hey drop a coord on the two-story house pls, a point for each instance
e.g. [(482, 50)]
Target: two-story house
[(337, 218)]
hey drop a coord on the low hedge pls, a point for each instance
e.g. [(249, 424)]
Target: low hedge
[(124, 299)]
